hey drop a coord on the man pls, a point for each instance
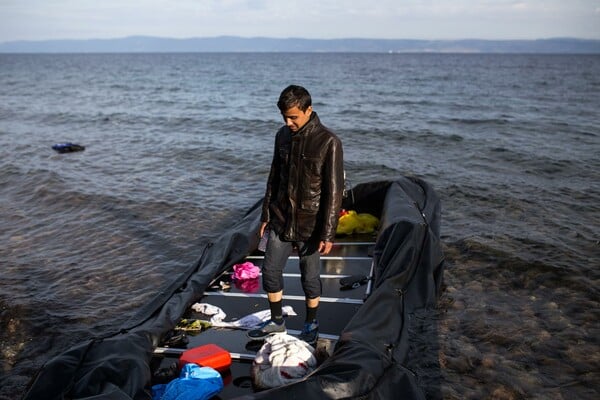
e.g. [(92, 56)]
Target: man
[(301, 205)]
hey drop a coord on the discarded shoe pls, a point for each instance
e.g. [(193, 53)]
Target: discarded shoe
[(265, 329), (166, 374), (353, 282), (175, 339), (310, 333)]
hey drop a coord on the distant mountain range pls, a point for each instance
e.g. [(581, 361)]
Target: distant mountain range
[(147, 44)]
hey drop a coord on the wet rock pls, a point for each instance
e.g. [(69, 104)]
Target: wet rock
[(543, 335), (458, 305), (503, 393), (474, 286), (488, 361), (458, 364)]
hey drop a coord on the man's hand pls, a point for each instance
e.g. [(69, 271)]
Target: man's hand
[(261, 231), (325, 247)]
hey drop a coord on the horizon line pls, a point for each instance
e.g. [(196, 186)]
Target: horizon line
[(301, 38)]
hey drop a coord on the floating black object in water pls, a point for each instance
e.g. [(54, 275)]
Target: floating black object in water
[(67, 147)]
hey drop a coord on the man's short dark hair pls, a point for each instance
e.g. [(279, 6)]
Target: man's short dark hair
[(294, 96)]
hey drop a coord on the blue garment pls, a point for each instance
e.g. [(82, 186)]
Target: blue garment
[(194, 383)]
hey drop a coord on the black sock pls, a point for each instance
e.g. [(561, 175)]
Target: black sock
[(276, 311), (311, 313)]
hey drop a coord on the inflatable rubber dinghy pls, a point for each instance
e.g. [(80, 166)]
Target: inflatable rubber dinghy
[(364, 333)]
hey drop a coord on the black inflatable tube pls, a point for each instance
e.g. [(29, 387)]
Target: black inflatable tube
[(368, 360)]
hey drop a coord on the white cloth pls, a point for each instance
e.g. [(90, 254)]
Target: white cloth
[(281, 360), (248, 322), (214, 312)]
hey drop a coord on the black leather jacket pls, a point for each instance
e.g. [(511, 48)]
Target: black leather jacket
[(306, 182)]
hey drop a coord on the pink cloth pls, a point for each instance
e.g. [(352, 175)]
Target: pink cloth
[(248, 285), (245, 271)]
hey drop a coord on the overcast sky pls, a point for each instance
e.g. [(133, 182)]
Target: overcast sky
[(326, 19)]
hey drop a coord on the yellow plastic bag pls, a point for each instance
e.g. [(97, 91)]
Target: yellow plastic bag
[(352, 222)]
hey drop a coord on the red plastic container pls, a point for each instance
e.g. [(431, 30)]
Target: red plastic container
[(209, 355)]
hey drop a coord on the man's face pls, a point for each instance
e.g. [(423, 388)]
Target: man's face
[(295, 118)]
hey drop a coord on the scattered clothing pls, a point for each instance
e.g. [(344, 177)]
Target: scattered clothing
[(248, 285), (194, 325), (245, 271), (194, 383), (248, 322), (216, 313), (281, 360), (246, 277)]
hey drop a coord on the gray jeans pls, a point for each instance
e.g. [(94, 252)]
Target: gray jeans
[(276, 256)]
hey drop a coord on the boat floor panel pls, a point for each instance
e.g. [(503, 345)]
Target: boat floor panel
[(355, 245), (351, 255), (331, 287), (333, 317), (347, 265)]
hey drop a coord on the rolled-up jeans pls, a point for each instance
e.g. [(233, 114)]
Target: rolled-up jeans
[(276, 256)]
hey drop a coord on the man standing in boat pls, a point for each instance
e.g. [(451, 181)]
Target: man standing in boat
[(301, 206)]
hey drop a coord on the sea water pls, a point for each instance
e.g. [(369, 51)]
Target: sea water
[(178, 147)]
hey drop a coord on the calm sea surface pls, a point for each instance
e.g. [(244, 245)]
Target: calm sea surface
[(178, 146)]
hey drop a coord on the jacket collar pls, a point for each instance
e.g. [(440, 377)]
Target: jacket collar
[(309, 126)]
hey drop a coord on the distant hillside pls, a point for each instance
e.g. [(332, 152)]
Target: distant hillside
[(136, 44)]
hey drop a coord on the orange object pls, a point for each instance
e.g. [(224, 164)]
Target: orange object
[(209, 355)]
